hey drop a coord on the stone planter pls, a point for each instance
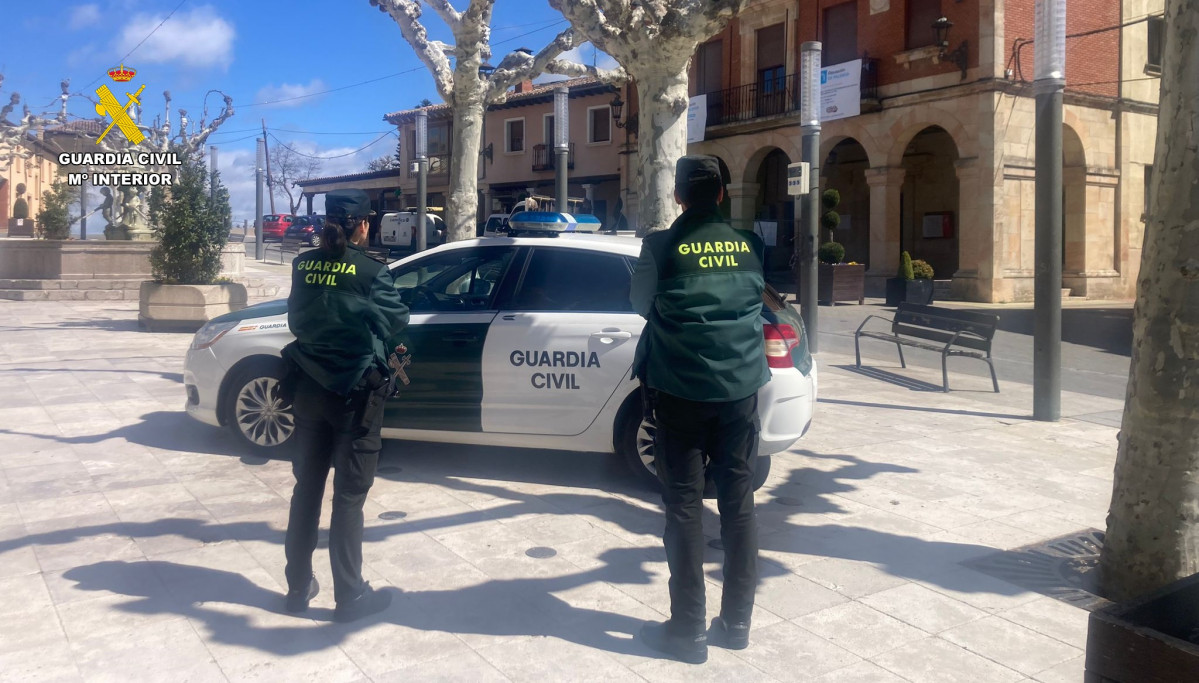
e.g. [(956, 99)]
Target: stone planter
[(20, 227), (900, 291), (185, 308), (1153, 639), (841, 282)]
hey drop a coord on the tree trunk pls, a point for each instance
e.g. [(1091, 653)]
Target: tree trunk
[(662, 139), (462, 206), (1152, 533)]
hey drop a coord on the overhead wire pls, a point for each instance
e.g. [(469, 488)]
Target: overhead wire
[(335, 156)]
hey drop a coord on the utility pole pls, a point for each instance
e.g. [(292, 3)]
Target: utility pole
[(259, 247), (1050, 62), (422, 178), (809, 120), (270, 184), (562, 147)]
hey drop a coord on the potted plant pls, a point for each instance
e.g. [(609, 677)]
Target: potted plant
[(913, 285), (191, 226), (20, 225), (837, 280)]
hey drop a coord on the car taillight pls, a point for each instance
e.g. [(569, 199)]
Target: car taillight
[(780, 339)]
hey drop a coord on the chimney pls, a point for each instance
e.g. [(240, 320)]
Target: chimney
[(524, 86)]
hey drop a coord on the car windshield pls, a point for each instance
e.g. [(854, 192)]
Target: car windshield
[(301, 221)]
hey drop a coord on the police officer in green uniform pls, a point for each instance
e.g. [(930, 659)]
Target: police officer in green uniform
[(701, 360), (343, 310)]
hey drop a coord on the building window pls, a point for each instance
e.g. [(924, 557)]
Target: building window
[(548, 125), (709, 67), (514, 135), (439, 140), (840, 34), (1156, 27), (922, 14), (599, 124)]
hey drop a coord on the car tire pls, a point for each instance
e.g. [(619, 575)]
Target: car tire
[(259, 420), (635, 445), (314, 240)]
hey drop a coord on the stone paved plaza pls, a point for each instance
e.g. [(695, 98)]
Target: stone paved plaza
[(137, 544)]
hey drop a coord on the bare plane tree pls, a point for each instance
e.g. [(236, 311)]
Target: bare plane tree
[(455, 70), (289, 166), (1153, 522), (653, 40)]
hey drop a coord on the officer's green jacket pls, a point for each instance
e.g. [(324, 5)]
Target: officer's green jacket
[(344, 313), (699, 287)]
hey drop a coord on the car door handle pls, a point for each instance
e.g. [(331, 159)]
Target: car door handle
[(611, 335), (460, 337)]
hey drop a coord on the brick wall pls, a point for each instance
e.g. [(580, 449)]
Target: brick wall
[(1092, 62)]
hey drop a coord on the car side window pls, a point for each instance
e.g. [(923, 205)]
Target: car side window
[(455, 280), (574, 280)]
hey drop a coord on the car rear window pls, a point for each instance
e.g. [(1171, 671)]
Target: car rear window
[(271, 218)]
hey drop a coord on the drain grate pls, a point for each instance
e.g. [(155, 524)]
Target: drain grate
[(541, 552), (1063, 568), (393, 514)]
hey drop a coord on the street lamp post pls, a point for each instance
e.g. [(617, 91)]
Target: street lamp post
[(259, 247), (422, 178), (809, 216), (561, 145), (1050, 63)]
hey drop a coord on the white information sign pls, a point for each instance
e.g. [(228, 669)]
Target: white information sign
[(841, 91), (697, 118), (797, 178)]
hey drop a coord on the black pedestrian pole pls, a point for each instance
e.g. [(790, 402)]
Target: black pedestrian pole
[(561, 148), (810, 150), (1047, 291)]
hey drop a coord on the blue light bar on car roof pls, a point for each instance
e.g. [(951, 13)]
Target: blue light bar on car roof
[(550, 221)]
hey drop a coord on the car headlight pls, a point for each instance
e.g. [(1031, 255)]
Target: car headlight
[(209, 334)]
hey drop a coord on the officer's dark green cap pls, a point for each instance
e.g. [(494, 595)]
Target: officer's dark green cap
[(697, 168), (348, 204)]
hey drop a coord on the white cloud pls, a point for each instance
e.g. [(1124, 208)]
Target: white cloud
[(196, 39), (83, 16), (289, 91)]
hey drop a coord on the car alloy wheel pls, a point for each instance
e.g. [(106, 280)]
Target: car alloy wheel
[(645, 444), (314, 240), (260, 415)]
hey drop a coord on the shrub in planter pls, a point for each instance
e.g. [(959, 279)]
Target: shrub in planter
[(913, 285), (831, 219), (193, 226), (20, 208), (831, 253), (54, 219)]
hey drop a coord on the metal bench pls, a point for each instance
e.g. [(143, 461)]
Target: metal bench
[(949, 332), (291, 245)]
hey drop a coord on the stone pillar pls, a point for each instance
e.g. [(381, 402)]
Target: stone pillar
[(308, 202), (974, 280), (743, 198), (886, 185)]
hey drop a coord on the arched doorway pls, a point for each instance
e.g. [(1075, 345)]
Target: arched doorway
[(775, 210), (726, 202), (845, 171), (1074, 209), (929, 213)]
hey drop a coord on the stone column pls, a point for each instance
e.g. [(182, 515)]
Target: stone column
[(308, 202), (974, 280), (742, 200), (886, 185)]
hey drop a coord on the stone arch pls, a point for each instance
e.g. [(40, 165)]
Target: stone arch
[(1074, 206), (915, 121), (843, 168), (930, 216), (849, 129), (768, 142), (771, 211)]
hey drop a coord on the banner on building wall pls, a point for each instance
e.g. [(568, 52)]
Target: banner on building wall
[(841, 91), (697, 118)]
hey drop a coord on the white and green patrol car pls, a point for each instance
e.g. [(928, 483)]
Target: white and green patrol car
[(516, 341)]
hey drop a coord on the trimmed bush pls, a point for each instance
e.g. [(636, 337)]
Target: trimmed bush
[(830, 199), (830, 220), (921, 270), (905, 267), (193, 228), (831, 253), (20, 208), (54, 218)]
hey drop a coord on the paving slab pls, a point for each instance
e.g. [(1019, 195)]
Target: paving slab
[(121, 518)]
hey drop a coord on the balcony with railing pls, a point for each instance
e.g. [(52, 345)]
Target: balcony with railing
[(774, 96), (544, 158)]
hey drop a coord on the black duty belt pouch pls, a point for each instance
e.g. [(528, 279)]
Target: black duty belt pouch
[(286, 389), (374, 388)]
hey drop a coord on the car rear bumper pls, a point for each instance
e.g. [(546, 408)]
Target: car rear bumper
[(785, 407), (201, 379)]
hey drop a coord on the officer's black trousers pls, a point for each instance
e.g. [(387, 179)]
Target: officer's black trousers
[(727, 432), (324, 439)]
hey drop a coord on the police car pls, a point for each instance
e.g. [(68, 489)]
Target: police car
[(522, 341)]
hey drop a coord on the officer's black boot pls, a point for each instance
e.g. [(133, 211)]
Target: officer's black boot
[(661, 636), (298, 598), (368, 602), (733, 635)]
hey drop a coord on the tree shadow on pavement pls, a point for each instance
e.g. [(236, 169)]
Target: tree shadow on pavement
[(498, 607), (176, 377)]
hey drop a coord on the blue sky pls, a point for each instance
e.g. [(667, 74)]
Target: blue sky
[(257, 51)]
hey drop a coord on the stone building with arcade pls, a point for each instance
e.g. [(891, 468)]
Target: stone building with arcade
[(938, 158)]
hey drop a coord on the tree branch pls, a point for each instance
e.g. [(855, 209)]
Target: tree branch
[(451, 16), (406, 14), (519, 66), (617, 76)]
